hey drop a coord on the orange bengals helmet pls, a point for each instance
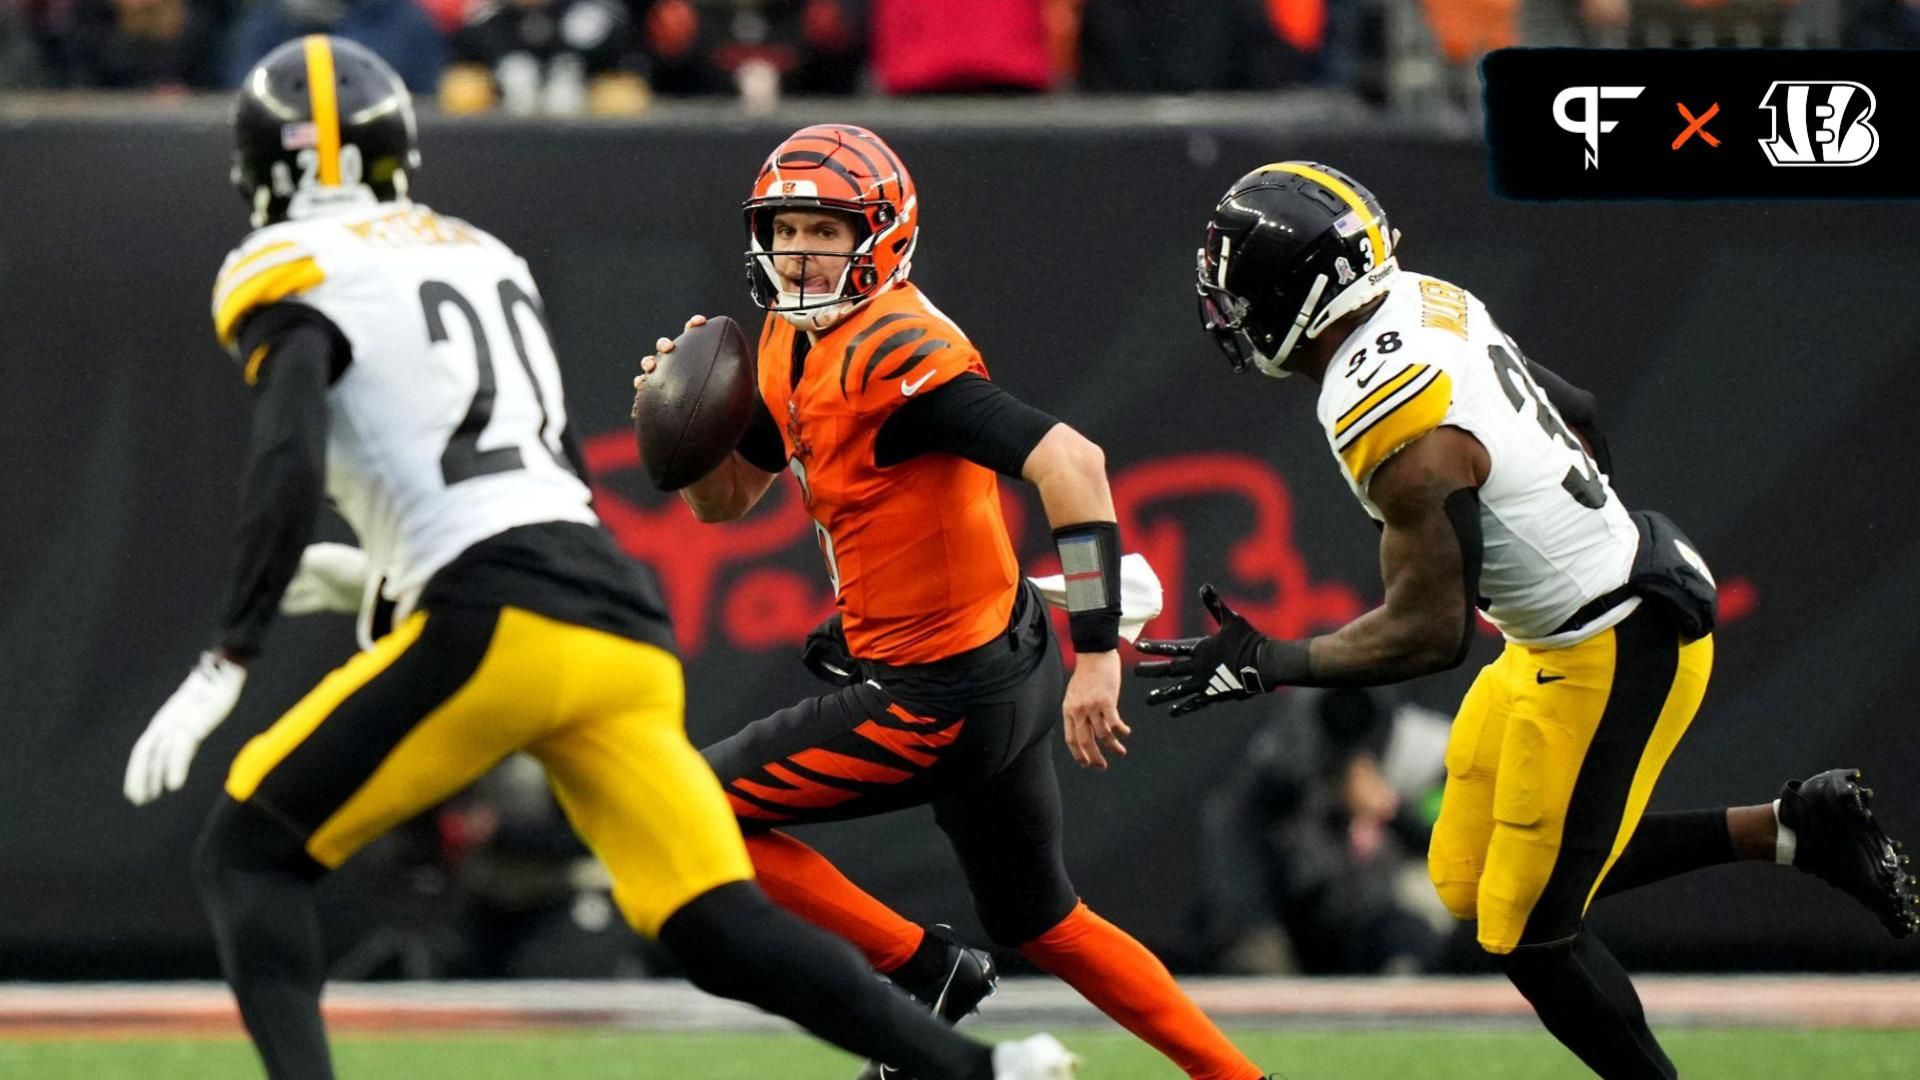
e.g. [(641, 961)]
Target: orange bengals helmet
[(841, 168)]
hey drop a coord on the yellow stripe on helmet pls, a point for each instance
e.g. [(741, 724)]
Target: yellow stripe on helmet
[(1346, 194), (322, 94)]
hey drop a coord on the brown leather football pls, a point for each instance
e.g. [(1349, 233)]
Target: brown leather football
[(696, 404)]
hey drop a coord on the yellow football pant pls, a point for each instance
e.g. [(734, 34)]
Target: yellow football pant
[(1552, 758), (450, 693)]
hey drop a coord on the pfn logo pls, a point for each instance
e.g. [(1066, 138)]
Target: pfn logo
[(1588, 124), (1825, 124)]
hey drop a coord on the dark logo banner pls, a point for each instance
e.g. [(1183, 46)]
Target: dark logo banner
[(1703, 123)]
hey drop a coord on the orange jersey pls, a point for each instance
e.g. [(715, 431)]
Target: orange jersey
[(919, 555)]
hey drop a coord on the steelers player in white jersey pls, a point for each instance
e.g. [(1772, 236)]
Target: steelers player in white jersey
[(1489, 480), (401, 367)]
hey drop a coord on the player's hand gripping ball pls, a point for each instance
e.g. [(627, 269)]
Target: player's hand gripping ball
[(692, 401)]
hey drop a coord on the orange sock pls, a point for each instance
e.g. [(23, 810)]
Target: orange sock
[(801, 880), (1130, 984)]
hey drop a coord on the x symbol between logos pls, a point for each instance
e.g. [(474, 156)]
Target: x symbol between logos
[(1697, 125)]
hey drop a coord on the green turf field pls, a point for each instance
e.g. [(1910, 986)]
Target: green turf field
[(1346, 1055)]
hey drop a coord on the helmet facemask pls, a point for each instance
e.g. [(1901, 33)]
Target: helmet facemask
[(1250, 338), (1263, 334), (842, 170), (857, 282), (1224, 317)]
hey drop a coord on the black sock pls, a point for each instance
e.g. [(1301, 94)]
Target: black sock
[(734, 943), (926, 970), (1670, 843), (1585, 999), (256, 881)]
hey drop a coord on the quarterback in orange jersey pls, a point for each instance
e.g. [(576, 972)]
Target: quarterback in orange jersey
[(950, 679)]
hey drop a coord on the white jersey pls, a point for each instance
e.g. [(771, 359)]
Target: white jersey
[(1555, 536), (445, 428)]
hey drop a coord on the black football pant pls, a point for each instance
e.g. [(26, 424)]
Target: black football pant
[(983, 760)]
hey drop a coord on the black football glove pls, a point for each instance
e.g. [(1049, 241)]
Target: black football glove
[(1222, 667)]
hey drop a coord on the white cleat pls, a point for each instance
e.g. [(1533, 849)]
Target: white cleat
[(1036, 1057)]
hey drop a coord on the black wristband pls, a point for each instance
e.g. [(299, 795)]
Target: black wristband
[(1090, 562), (1094, 631), (1284, 663)]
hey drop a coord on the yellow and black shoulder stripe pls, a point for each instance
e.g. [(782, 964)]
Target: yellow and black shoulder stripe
[(256, 276), (1401, 409)]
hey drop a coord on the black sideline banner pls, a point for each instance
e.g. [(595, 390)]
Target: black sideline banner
[(1755, 368)]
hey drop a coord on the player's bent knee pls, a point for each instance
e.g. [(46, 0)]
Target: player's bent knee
[(240, 837), (1535, 965), (1457, 884), (1460, 898), (1012, 924), (728, 940)]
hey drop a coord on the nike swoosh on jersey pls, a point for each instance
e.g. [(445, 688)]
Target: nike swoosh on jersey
[(908, 388)]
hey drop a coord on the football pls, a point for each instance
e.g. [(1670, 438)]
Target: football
[(696, 404)]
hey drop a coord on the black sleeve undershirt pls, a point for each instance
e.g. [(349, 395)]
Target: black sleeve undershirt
[(1578, 408), (576, 458), (970, 417), (761, 444), (286, 465)]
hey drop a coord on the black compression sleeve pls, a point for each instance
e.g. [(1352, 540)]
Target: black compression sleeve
[(1578, 408), (1463, 513), (576, 458), (760, 444), (970, 417), (267, 326), (285, 480)]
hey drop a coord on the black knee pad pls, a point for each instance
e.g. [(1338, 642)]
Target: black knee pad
[(245, 838)]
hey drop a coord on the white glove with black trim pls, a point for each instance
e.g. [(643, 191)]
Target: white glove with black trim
[(165, 750), (332, 577)]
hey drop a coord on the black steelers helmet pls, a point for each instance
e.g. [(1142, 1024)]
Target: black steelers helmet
[(1290, 248), (321, 120)]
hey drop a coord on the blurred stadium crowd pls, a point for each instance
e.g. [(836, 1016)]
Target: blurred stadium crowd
[(561, 57)]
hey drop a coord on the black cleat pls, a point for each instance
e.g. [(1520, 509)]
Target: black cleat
[(966, 979), (1839, 842)]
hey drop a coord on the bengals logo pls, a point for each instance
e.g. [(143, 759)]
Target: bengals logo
[(1820, 123), (787, 187)]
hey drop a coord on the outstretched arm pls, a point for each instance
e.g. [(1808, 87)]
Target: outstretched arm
[(1429, 562), (285, 478), (291, 358)]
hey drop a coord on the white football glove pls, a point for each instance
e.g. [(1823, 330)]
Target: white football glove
[(160, 759), (332, 577)]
